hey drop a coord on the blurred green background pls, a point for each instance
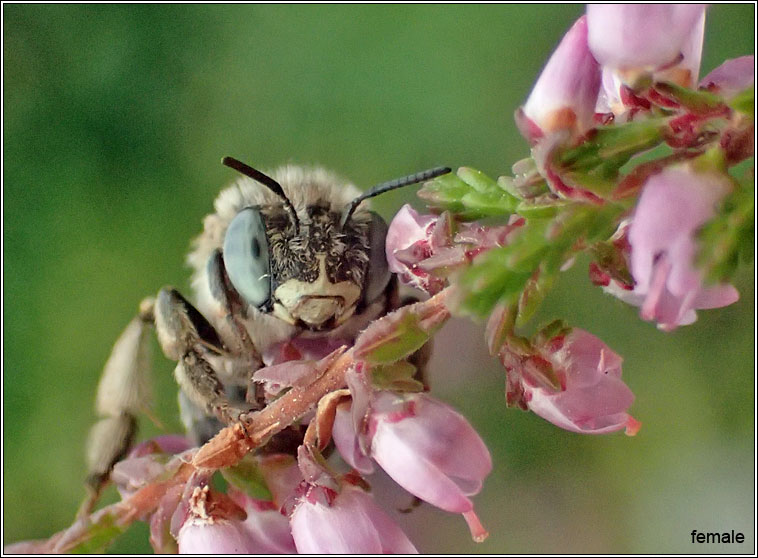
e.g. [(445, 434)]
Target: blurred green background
[(115, 120)]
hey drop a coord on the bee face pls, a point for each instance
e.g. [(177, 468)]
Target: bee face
[(300, 262), (312, 273), (317, 270), (300, 249)]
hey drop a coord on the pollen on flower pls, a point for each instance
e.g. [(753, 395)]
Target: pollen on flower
[(199, 506)]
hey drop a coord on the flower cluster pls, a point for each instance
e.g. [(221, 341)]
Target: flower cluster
[(382, 417), (297, 494), (630, 162)]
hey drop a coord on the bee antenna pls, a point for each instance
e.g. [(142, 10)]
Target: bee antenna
[(267, 181), (392, 185)]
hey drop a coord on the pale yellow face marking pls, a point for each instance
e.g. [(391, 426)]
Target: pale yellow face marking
[(315, 303)]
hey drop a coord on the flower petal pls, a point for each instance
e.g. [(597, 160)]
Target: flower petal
[(346, 440), (732, 77), (641, 36), (673, 205), (429, 449), (565, 93), (220, 537), (353, 524)]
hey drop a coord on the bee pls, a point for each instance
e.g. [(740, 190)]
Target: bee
[(288, 266)]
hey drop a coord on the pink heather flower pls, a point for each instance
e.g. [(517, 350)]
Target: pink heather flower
[(644, 36), (565, 93), (301, 348), (732, 77), (592, 398), (408, 242), (220, 536), (425, 446), (210, 531), (281, 474), (214, 525), (674, 204), (630, 40), (349, 522), (148, 461), (417, 246), (266, 526)]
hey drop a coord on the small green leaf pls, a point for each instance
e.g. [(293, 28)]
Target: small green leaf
[(397, 377), (696, 101), (728, 237), (744, 102), (485, 286), (470, 196), (553, 329), (711, 161), (401, 333), (246, 477), (539, 371), (543, 207), (617, 142), (611, 261), (524, 187), (477, 180), (498, 204), (407, 338), (508, 184), (534, 293), (100, 535)]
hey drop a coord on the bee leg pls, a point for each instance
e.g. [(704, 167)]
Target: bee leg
[(123, 391), (187, 337), (245, 358), (180, 327), (200, 427)]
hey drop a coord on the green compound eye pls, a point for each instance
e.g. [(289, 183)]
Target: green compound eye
[(246, 256)]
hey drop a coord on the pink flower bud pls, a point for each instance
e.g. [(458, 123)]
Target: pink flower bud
[(208, 530), (423, 250), (732, 77), (349, 522), (565, 94), (267, 528), (218, 537), (592, 398), (674, 204), (148, 461), (426, 447), (218, 524), (645, 36), (664, 42), (408, 242)]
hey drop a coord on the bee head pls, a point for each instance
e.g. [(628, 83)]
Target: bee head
[(313, 269)]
